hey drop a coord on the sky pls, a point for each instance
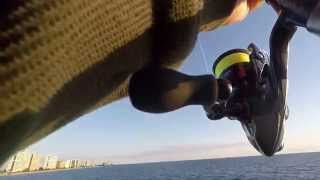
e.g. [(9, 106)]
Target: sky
[(122, 134)]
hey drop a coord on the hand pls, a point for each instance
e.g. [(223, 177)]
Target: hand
[(242, 9)]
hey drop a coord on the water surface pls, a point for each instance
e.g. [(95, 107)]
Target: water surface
[(286, 167)]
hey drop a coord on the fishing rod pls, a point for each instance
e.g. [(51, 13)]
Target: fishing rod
[(248, 85)]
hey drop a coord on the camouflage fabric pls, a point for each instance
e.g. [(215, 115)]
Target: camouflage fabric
[(60, 59)]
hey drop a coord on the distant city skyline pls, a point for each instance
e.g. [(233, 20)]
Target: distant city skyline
[(25, 161), (122, 134)]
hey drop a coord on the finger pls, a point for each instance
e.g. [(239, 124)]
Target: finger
[(239, 12), (242, 9), (254, 4)]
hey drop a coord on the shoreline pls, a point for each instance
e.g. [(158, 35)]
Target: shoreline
[(41, 171)]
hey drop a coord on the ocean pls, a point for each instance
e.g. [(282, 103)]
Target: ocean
[(286, 167)]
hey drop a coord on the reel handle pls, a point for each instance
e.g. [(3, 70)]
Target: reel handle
[(303, 13), (281, 35), (159, 90)]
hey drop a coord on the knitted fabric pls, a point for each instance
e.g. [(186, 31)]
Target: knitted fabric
[(60, 59)]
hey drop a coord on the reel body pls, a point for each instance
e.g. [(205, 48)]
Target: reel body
[(257, 101)]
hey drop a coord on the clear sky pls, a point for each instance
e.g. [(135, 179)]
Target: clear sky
[(120, 133)]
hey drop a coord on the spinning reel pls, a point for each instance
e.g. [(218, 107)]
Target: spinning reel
[(254, 101)]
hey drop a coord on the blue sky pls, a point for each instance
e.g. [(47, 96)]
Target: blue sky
[(120, 133)]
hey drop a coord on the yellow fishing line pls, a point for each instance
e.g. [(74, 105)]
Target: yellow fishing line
[(229, 60)]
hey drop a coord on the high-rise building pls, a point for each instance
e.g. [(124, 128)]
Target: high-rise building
[(50, 162), (67, 164), (61, 164), (89, 163), (19, 162), (82, 163), (10, 164), (24, 161), (74, 163), (36, 162)]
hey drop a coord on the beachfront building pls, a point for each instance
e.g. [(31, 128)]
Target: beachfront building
[(67, 164), (10, 164), (88, 163), (82, 163), (24, 161), (74, 164), (61, 164), (36, 162), (19, 162), (50, 162)]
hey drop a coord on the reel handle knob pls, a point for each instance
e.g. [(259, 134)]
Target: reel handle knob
[(159, 90)]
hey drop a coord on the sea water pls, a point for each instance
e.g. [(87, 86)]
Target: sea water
[(286, 167)]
